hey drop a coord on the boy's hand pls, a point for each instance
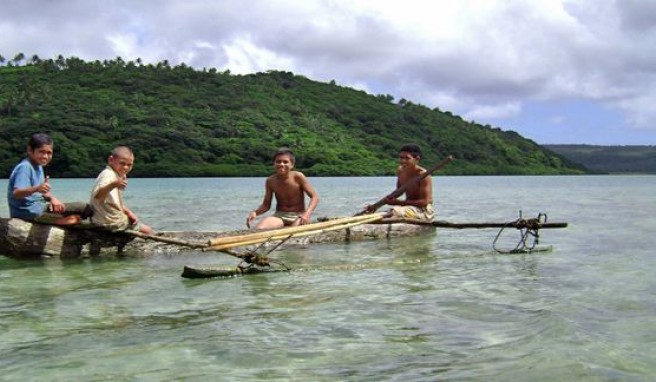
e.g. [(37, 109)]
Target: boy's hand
[(44, 187), (132, 218), (367, 208), (251, 216), (121, 183), (305, 219), (56, 206)]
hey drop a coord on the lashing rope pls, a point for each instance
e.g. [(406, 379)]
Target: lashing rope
[(528, 228), (253, 259)]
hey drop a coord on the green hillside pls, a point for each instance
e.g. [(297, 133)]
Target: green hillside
[(611, 159), (186, 122)]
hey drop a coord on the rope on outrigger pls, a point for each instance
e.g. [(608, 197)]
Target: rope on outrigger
[(528, 229)]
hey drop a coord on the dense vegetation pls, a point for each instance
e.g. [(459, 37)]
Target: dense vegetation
[(611, 159), (186, 122)]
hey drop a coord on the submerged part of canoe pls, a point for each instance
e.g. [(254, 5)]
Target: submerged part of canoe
[(21, 239)]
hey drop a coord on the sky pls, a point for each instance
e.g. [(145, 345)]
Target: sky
[(555, 71)]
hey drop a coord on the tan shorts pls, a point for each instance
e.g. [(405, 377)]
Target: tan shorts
[(119, 227), (412, 212), (288, 218)]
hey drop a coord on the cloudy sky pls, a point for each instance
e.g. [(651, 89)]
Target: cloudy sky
[(556, 71)]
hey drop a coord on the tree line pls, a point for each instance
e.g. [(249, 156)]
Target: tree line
[(634, 159), (182, 121)]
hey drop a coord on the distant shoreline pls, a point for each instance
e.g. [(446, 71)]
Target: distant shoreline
[(611, 160)]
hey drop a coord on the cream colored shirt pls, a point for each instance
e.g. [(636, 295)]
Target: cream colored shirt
[(108, 212)]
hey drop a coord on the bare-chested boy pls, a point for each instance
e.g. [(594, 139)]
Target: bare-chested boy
[(289, 188), (418, 203)]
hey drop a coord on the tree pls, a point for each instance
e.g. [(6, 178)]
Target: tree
[(18, 58), (61, 62)]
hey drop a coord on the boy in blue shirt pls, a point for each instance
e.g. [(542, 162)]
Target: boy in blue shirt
[(29, 192)]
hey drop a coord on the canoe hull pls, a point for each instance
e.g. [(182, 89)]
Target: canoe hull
[(23, 239), (19, 238)]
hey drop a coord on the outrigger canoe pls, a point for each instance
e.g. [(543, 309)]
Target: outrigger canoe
[(19, 238)]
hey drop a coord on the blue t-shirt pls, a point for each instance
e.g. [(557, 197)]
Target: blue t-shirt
[(24, 175)]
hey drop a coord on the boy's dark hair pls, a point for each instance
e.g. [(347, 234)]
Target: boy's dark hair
[(284, 151), (39, 139), (411, 148)]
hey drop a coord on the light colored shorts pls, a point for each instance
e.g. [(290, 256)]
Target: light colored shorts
[(288, 218), (412, 212), (119, 227)]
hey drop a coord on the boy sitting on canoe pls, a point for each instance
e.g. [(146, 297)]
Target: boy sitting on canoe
[(418, 203), (107, 194), (289, 188), (29, 193)]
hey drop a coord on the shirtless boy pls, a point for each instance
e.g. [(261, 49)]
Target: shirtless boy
[(289, 188), (418, 203), (107, 194), (29, 193)]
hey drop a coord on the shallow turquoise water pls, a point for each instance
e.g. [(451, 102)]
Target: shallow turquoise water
[(438, 307)]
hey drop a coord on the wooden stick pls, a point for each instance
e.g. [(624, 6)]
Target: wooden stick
[(290, 230), (445, 224), (168, 240), (399, 191), (275, 236)]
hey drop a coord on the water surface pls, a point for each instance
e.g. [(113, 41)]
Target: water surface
[(438, 307)]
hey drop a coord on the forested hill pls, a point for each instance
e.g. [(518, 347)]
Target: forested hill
[(186, 122), (611, 159)]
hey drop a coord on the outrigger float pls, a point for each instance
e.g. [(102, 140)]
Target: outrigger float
[(19, 238)]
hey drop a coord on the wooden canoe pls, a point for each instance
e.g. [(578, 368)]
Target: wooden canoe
[(19, 238)]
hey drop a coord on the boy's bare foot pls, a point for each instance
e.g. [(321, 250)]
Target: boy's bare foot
[(69, 220)]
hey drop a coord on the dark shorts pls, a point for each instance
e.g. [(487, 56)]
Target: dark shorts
[(75, 208)]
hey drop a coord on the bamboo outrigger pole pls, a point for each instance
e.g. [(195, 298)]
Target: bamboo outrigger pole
[(222, 243), (399, 191)]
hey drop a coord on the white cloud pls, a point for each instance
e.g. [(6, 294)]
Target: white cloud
[(477, 58), (486, 112), (123, 44), (244, 57)]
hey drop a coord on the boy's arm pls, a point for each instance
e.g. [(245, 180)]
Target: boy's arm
[(20, 192), (424, 195), (54, 204), (398, 177), (390, 199), (44, 188), (103, 191), (314, 199), (264, 207), (132, 217)]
